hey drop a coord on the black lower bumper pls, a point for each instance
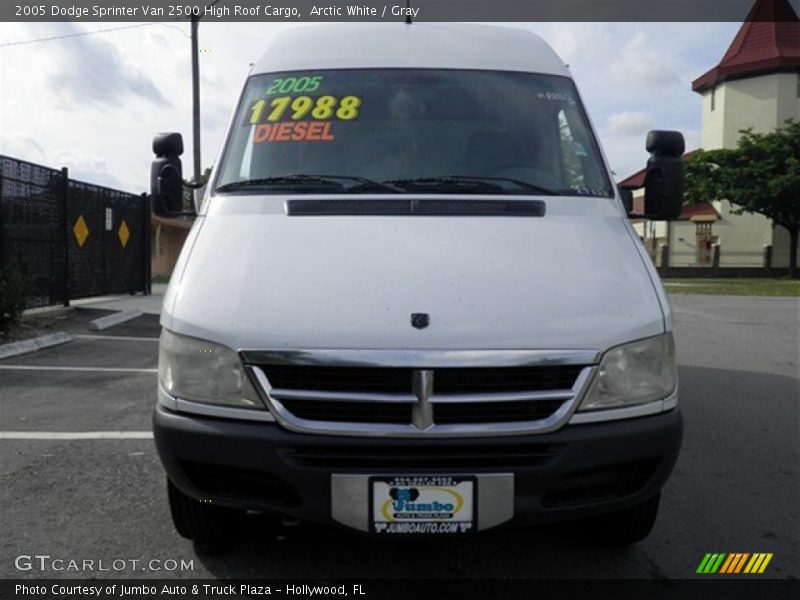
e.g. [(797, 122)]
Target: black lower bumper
[(575, 472)]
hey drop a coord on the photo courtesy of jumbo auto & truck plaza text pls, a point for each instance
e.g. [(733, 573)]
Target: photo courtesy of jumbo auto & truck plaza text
[(420, 298)]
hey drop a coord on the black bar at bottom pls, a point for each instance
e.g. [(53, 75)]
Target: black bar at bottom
[(708, 587)]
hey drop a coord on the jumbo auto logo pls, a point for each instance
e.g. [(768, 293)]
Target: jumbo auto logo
[(438, 504)]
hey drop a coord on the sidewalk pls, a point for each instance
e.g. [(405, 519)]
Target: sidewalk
[(149, 305)]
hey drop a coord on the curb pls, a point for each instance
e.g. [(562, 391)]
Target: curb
[(114, 319), (34, 344), (46, 310)]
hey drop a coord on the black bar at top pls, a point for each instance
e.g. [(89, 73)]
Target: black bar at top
[(389, 11)]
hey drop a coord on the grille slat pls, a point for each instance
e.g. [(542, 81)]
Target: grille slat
[(495, 412), (354, 412), (505, 379), (340, 379)]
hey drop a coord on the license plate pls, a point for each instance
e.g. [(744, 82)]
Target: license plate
[(422, 504)]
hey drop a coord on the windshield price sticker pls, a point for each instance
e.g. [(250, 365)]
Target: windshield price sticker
[(300, 131), (269, 117), (321, 108), (298, 85)]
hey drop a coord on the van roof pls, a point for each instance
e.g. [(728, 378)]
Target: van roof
[(399, 45)]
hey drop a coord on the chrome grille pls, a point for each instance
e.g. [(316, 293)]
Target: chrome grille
[(354, 397)]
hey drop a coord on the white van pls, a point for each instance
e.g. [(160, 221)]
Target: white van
[(412, 302)]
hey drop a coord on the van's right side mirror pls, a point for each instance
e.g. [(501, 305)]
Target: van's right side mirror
[(664, 177), (166, 175)]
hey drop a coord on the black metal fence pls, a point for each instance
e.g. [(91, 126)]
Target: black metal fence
[(71, 239)]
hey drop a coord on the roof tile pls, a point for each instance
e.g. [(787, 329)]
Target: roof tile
[(768, 42)]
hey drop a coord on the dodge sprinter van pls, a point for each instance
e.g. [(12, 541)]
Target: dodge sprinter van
[(412, 302)]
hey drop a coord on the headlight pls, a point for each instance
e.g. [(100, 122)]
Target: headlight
[(192, 369), (635, 373)]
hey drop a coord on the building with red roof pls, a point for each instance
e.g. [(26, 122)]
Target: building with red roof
[(756, 85)]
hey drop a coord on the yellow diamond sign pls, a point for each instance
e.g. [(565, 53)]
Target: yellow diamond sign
[(123, 234), (81, 231)]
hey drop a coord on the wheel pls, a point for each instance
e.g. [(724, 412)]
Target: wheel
[(624, 527), (200, 522)]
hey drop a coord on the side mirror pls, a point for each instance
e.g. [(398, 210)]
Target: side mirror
[(166, 175), (664, 179)]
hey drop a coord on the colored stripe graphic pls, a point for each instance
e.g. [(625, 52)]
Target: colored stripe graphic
[(703, 563), (717, 564), (741, 562), (758, 563), (733, 563), (711, 563), (727, 564)]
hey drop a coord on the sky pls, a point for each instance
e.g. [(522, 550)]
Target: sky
[(93, 103)]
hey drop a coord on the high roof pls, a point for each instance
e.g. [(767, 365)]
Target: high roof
[(397, 45), (768, 42)]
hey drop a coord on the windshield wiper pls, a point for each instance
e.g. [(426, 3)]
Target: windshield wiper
[(278, 180), (478, 183), (304, 181), (364, 182)]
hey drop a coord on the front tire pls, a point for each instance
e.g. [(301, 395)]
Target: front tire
[(200, 522), (625, 527)]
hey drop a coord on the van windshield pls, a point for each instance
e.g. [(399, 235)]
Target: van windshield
[(412, 130)]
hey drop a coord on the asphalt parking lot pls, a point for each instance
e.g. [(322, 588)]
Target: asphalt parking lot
[(735, 488)]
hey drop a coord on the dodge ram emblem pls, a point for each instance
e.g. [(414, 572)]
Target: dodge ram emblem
[(420, 320)]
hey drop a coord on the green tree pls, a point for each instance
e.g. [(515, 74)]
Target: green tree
[(761, 175)]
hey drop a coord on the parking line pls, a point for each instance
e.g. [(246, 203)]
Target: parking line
[(85, 369), (76, 435), (124, 338)]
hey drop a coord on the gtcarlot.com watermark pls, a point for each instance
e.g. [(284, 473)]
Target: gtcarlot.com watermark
[(48, 563)]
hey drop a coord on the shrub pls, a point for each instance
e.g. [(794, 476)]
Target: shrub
[(13, 293)]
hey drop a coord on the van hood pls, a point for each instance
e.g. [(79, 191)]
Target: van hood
[(254, 278)]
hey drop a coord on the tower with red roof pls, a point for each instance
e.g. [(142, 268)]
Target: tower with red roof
[(757, 83)]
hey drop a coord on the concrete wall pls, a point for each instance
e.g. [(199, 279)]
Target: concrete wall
[(762, 103), (711, 134), (780, 247), (682, 244), (788, 97), (721, 272), (741, 237)]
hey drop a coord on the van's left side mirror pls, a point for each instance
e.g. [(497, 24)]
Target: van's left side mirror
[(166, 175), (664, 179)]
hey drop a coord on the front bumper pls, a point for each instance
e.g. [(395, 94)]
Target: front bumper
[(577, 471)]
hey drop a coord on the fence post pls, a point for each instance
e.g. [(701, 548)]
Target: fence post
[(715, 260), (767, 256), (665, 255), (661, 258), (148, 286), (65, 229), (1, 218)]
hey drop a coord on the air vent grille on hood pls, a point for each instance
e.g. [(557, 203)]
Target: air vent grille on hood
[(427, 207)]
